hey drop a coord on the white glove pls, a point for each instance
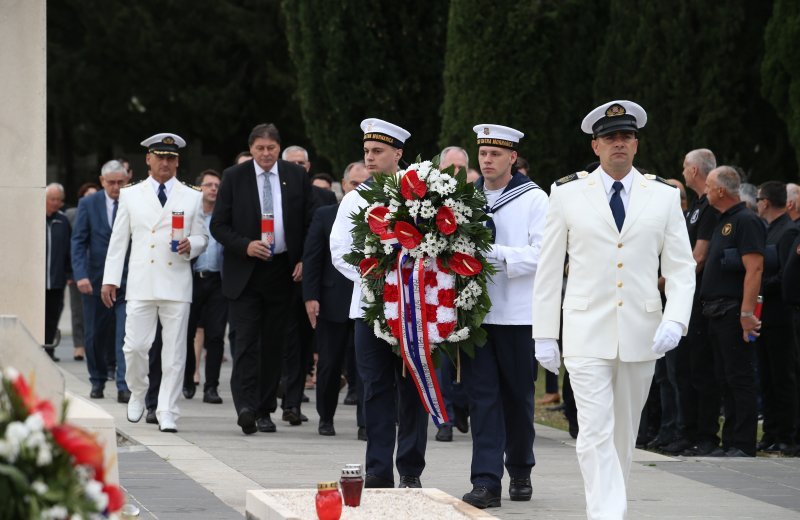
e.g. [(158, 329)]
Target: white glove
[(668, 335), (547, 354), (494, 253)]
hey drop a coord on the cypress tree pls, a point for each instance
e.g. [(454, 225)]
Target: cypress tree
[(363, 59), (528, 66), (780, 69)]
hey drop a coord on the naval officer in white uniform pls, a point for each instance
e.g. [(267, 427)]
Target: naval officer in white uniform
[(617, 226), (159, 279)]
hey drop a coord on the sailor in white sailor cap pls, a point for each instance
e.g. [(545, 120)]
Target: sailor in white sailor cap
[(618, 227), (379, 368), (159, 277), (499, 381)]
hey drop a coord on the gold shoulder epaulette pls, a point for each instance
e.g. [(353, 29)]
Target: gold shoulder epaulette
[(571, 177), (651, 177), (191, 186), (133, 183)]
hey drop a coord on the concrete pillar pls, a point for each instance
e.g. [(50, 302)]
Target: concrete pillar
[(23, 62)]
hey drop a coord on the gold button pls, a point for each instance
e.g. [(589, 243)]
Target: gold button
[(619, 265), (619, 245), (153, 231), (152, 246), (169, 263), (619, 284), (152, 261), (619, 303)]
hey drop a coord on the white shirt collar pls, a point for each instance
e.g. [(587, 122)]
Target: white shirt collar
[(608, 181), (168, 185), (260, 170)]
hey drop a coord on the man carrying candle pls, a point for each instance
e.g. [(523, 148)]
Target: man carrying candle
[(159, 284), (256, 277)]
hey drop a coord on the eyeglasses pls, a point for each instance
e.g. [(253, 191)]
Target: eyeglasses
[(210, 185)]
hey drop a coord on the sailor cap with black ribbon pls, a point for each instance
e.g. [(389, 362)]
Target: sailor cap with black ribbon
[(615, 116), (382, 131), (164, 144), (497, 135)]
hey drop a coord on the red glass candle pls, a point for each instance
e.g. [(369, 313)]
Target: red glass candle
[(352, 483), (329, 501)]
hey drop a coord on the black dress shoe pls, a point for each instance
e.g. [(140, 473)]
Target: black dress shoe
[(482, 498), (292, 416), (210, 395), (96, 393), (520, 489), (677, 446), (326, 428), (123, 396), (736, 452), (461, 419), (303, 417), (150, 417), (658, 442), (247, 421), (265, 425), (704, 449), (445, 433), (351, 398), (362, 433), (764, 444), (305, 398), (188, 391), (374, 481), (407, 481)]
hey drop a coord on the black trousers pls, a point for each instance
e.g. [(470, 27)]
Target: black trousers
[(777, 358), (298, 350), (53, 305), (734, 360), (259, 316), (333, 341), (698, 388), (210, 307), (154, 372)]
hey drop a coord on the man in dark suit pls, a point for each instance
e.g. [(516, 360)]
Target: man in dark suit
[(57, 273), (105, 328), (256, 276), (327, 293)]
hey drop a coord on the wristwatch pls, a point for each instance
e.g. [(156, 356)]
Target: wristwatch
[(746, 314)]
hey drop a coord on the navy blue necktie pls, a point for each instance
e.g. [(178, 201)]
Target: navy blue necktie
[(162, 194), (617, 208), (114, 212)]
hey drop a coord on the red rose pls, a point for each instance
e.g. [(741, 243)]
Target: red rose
[(446, 220), (465, 265), (369, 268), (407, 234), (116, 499), (376, 218), (82, 446), (411, 185)]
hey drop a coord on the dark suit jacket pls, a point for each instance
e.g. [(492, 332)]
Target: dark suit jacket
[(237, 219), (323, 197), (90, 238), (58, 265), (321, 280)]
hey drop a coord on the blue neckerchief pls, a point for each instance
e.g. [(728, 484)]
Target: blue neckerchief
[(518, 185)]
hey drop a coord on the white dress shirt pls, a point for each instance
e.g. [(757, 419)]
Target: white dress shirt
[(277, 211), (608, 184)]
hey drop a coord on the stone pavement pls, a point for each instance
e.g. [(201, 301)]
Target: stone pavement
[(204, 470)]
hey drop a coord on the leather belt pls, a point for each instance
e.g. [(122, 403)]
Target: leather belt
[(206, 274)]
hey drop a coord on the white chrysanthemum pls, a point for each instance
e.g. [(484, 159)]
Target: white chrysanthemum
[(413, 207), (34, 422), (388, 338), (387, 249), (459, 335), (55, 513), (463, 244), (44, 456), (369, 296), (94, 491), (40, 487), (475, 288)]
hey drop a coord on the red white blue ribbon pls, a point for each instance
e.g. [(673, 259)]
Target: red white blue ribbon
[(415, 347)]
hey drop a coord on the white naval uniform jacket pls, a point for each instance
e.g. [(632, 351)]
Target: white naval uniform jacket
[(154, 271), (515, 255), (341, 243), (612, 305)]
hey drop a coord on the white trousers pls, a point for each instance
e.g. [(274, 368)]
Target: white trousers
[(610, 395), (140, 331)]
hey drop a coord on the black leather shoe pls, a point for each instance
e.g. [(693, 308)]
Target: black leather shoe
[(677, 446), (210, 395), (445, 433), (481, 498), (305, 398), (265, 425), (736, 452), (351, 398), (461, 419), (520, 489), (150, 416), (188, 391), (704, 449), (247, 421), (764, 444), (374, 481), (303, 417), (123, 396), (362, 434), (658, 442), (326, 428), (407, 481), (292, 416), (96, 393)]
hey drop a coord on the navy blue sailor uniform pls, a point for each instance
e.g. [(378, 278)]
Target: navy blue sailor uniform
[(499, 381)]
